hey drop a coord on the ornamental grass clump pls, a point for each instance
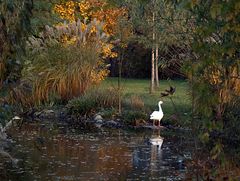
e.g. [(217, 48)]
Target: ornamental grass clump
[(136, 103), (64, 61)]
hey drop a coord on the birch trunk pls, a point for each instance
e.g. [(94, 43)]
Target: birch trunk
[(119, 83), (153, 70), (156, 67), (153, 56)]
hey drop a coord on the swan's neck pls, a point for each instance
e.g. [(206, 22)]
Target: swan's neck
[(160, 108)]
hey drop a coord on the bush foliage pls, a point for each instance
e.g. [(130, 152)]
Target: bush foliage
[(92, 101)]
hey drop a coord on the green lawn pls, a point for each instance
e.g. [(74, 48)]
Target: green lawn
[(140, 87)]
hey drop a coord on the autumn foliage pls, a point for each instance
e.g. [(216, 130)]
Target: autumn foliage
[(69, 57), (87, 11), (94, 10)]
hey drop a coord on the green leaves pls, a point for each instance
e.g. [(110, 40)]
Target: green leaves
[(215, 90), (43, 15), (204, 137), (215, 10), (14, 27), (216, 151)]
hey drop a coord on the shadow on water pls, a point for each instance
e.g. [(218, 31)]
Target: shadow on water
[(48, 153)]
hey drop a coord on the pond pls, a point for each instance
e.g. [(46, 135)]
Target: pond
[(50, 152)]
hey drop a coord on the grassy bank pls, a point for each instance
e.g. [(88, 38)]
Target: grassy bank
[(140, 88)]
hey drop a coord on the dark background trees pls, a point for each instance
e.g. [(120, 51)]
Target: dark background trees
[(136, 63)]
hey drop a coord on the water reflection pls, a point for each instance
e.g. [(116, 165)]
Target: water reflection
[(156, 140), (148, 157), (47, 154)]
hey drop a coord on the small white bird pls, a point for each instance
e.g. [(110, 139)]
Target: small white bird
[(157, 115)]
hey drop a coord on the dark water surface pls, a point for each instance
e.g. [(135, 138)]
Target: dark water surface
[(47, 152)]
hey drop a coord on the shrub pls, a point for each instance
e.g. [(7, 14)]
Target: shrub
[(105, 98), (93, 100), (136, 103), (130, 117), (109, 113), (81, 106)]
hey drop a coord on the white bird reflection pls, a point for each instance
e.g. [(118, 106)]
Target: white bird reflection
[(156, 139), (156, 142), (149, 156)]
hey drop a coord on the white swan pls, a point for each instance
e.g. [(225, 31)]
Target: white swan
[(157, 115)]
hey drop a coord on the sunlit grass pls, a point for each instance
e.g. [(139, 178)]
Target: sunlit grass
[(140, 87)]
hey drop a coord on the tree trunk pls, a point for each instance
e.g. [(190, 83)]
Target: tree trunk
[(119, 83), (153, 70), (2, 52), (153, 57), (156, 66)]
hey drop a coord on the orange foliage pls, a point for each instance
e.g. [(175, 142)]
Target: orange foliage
[(105, 16), (88, 10), (66, 10)]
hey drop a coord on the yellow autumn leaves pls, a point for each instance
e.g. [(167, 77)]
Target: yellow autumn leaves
[(90, 9), (66, 10), (106, 17), (87, 11)]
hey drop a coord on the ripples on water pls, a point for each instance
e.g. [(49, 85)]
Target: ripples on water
[(47, 153)]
